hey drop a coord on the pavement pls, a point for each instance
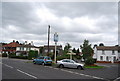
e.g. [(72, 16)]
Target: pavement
[(24, 69)]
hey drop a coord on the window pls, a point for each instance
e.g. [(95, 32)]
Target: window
[(48, 58), (22, 48), (29, 49), (114, 59), (103, 52), (40, 57), (66, 61), (107, 58), (46, 51), (26, 48), (101, 58), (113, 52), (51, 50)]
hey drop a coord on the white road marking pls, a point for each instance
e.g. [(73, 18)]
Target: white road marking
[(27, 74), (83, 74), (8, 66), (1, 63), (56, 68), (117, 79), (50, 67)]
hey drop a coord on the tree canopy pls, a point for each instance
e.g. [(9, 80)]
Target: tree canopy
[(67, 47), (86, 49)]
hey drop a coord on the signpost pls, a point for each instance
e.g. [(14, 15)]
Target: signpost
[(55, 40), (71, 53)]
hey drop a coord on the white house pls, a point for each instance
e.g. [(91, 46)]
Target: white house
[(24, 49), (107, 54)]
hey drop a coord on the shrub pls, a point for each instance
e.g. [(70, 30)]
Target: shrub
[(22, 57), (12, 55), (64, 56), (32, 54), (4, 54), (89, 61)]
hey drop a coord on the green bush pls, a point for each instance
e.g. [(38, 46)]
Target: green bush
[(32, 54), (77, 56), (12, 55), (89, 61), (64, 56), (22, 57)]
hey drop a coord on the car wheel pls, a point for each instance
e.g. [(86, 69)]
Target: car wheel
[(80, 68), (61, 66), (34, 62)]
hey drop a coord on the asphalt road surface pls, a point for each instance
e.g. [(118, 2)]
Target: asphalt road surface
[(21, 69)]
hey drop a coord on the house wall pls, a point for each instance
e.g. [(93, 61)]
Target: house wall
[(108, 56), (20, 49)]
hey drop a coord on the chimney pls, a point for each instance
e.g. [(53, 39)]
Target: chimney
[(25, 42), (13, 40)]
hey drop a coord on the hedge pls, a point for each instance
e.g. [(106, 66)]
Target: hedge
[(4, 54)]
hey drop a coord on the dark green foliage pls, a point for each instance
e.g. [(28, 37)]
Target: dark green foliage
[(51, 55), (4, 54), (41, 50), (86, 49), (74, 50), (89, 61), (77, 56), (66, 48), (64, 56), (77, 52), (12, 55), (32, 54)]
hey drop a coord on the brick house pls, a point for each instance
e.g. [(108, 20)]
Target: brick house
[(10, 48), (52, 49)]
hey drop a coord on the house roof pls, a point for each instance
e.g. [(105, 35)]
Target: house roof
[(108, 47), (12, 44), (27, 45)]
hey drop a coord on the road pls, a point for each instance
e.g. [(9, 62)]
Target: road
[(21, 69)]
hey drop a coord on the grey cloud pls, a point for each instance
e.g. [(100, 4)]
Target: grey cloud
[(30, 27)]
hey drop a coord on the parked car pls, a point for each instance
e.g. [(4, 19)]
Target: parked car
[(70, 64), (44, 60)]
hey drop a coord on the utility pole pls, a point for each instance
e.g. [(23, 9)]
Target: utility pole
[(48, 38)]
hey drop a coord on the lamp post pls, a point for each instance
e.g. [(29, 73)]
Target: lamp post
[(55, 40)]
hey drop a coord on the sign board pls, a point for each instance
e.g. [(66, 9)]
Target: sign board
[(56, 37)]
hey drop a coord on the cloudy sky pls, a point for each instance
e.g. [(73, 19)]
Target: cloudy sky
[(74, 22)]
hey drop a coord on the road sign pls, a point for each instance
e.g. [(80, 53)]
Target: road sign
[(56, 37)]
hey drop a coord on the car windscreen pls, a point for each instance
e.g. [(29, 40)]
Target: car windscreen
[(48, 58), (40, 58)]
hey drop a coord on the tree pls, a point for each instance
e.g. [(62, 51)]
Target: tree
[(74, 50), (77, 52), (66, 48), (101, 44), (86, 49)]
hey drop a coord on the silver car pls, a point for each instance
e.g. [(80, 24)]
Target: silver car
[(70, 64)]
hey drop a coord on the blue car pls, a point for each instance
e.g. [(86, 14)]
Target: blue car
[(44, 60)]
